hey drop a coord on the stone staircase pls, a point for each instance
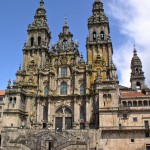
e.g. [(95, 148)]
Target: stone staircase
[(60, 140)]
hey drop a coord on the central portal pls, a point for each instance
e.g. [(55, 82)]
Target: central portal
[(63, 119)]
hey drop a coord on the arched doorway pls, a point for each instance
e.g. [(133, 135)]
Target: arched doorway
[(63, 118)]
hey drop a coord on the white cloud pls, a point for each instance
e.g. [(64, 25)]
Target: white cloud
[(133, 17)]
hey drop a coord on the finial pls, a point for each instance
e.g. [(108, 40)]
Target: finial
[(134, 51), (9, 84), (41, 2), (65, 24)]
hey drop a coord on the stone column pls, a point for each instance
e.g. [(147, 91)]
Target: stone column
[(88, 112), (43, 58), (76, 114), (87, 83), (38, 111), (63, 123), (38, 58), (49, 111)]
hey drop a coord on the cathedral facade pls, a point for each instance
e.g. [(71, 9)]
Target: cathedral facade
[(59, 101)]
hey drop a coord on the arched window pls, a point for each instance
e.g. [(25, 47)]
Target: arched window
[(104, 97), (46, 90), (39, 41), (65, 44), (124, 103), (138, 86), (109, 97), (10, 100), (63, 114), (140, 103), (145, 103), (134, 104), (63, 88), (82, 89), (14, 101), (102, 35), (94, 36), (130, 104), (64, 71), (32, 41)]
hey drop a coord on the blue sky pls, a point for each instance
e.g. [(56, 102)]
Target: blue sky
[(125, 26)]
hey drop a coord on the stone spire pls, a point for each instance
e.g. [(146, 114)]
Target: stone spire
[(137, 75)]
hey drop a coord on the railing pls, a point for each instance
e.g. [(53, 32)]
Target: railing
[(35, 140), (124, 128)]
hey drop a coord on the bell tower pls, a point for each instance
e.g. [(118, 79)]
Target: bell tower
[(37, 45), (137, 75), (99, 47)]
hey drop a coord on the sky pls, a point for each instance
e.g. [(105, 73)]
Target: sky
[(129, 25)]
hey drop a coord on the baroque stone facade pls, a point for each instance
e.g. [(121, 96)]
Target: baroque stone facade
[(59, 101)]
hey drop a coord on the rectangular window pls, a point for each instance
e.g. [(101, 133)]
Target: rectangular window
[(147, 134), (124, 116), (68, 122), (58, 123), (64, 71), (132, 140), (146, 123), (82, 126), (147, 146), (135, 119)]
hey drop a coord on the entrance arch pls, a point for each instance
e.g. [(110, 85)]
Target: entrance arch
[(63, 118)]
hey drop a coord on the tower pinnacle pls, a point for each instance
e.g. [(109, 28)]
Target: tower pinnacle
[(65, 23), (134, 51)]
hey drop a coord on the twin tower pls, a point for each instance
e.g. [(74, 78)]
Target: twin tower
[(55, 88)]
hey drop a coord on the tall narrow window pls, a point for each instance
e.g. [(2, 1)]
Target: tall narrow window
[(63, 88), (45, 112), (94, 36), (102, 35), (32, 41), (68, 122), (46, 90), (146, 123), (39, 41), (82, 112), (82, 89), (58, 123), (64, 71)]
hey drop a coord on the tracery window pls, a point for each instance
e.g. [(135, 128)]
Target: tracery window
[(63, 88)]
